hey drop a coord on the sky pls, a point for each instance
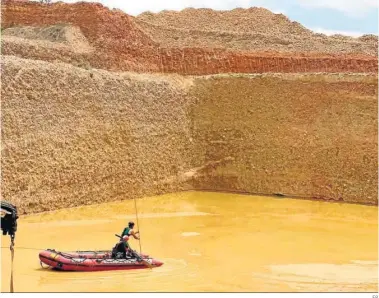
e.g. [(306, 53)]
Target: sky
[(348, 17)]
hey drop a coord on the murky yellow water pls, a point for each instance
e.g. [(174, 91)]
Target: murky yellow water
[(208, 242)]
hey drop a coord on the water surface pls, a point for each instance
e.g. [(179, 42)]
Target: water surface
[(208, 242)]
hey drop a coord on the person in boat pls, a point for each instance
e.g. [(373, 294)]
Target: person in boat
[(122, 249), (128, 231)]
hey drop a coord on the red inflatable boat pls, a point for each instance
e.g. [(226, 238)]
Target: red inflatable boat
[(93, 261)]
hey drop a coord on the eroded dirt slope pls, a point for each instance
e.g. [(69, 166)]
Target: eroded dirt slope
[(73, 137), (311, 136)]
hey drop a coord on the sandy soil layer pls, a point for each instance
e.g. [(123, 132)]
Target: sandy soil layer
[(307, 135), (72, 137)]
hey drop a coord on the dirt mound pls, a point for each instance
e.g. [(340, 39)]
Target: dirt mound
[(259, 42), (369, 38), (64, 34), (98, 24), (56, 33), (253, 29), (252, 20), (119, 44)]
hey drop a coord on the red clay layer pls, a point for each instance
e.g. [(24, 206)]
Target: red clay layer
[(121, 46)]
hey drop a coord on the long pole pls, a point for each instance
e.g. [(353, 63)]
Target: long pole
[(139, 234), (12, 257)]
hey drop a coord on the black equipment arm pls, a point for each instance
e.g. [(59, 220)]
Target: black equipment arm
[(9, 226), (9, 220)]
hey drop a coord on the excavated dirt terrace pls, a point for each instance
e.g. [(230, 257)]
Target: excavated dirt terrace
[(98, 106), (253, 29), (133, 44)]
